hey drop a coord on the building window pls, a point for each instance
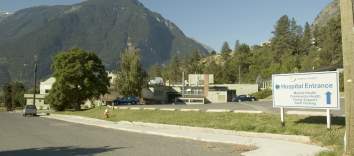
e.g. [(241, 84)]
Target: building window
[(47, 91)]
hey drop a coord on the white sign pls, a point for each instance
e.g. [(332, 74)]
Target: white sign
[(318, 90)]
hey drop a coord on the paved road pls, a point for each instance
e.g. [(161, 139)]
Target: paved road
[(38, 136), (265, 106)]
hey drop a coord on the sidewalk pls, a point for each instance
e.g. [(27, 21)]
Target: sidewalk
[(267, 144)]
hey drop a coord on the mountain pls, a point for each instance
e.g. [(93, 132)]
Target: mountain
[(102, 26), (330, 11), (3, 15)]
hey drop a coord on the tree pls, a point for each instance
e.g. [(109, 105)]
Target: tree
[(213, 52), (155, 71), (330, 43), (237, 45), (172, 72), (13, 95), (80, 76), (306, 40), (225, 50), (131, 76), (281, 42), (7, 96), (17, 90), (244, 58), (192, 63), (295, 37)]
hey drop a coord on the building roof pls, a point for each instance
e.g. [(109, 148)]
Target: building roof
[(49, 81)]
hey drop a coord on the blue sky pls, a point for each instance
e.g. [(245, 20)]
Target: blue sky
[(214, 21)]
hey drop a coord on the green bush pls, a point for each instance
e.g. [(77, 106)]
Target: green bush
[(263, 94)]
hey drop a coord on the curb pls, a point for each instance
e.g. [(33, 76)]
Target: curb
[(248, 111), (134, 108), (167, 109), (149, 109), (218, 110), (123, 108), (193, 110), (189, 110)]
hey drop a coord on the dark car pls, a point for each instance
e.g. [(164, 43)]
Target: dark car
[(241, 98), (29, 110), (126, 100)]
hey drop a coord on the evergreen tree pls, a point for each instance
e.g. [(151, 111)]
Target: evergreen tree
[(225, 50), (193, 64), (17, 90), (13, 95), (244, 60), (306, 41), (295, 37), (172, 71), (216, 69), (155, 71), (281, 42), (331, 43), (213, 52), (7, 96), (237, 45), (131, 76)]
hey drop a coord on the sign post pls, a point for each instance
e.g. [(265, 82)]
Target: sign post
[(328, 114), (317, 90), (282, 115)]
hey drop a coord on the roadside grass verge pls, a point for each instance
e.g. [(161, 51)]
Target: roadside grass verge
[(313, 126), (2, 109)]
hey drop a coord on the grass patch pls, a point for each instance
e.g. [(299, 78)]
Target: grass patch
[(315, 127), (2, 109)]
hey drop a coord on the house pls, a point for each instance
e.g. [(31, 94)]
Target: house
[(44, 88)]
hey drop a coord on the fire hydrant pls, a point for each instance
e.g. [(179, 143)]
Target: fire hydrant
[(106, 113)]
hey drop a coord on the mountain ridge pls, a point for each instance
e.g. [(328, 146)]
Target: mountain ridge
[(104, 27)]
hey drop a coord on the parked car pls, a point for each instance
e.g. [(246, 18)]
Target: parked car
[(126, 101), (30, 110), (241, 98)]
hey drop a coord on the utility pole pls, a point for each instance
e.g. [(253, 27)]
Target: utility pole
[(35, 80), (346, 7), (183, 84)]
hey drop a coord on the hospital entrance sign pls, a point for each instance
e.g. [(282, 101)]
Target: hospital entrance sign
[(316, 90)]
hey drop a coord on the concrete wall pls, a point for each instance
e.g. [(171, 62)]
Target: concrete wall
[(217, 96), (40, 102), (157, 93), (198, 79)]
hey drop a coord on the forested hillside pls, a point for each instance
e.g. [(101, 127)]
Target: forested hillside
[(293, 48)]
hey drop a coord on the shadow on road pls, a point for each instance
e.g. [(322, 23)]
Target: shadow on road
[(322, 120), (58, 151)]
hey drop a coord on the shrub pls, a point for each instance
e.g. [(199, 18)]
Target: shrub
[(263, 94)]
